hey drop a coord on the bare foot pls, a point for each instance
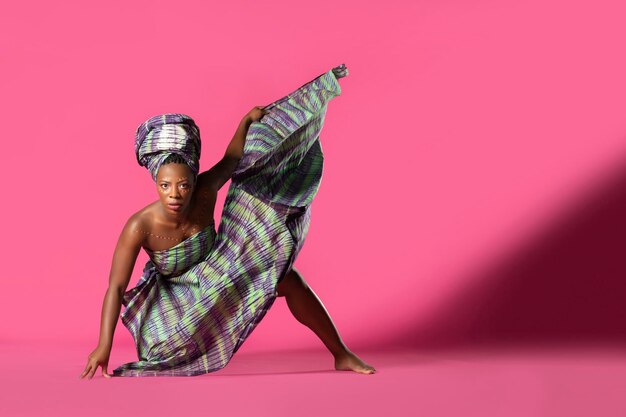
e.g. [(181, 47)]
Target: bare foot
[(340, 71), (348, 361)]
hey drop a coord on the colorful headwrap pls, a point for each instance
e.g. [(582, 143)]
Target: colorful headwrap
[(165, 134)]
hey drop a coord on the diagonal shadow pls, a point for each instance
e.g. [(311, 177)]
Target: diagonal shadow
[(568, 286)]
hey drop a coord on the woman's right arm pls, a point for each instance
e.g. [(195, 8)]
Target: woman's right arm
[(128, 246)]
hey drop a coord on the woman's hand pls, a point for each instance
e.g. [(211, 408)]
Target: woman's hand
[(99, 357), (256, 113)]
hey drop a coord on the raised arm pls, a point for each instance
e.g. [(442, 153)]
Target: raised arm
[(221, 172), (124, 258)]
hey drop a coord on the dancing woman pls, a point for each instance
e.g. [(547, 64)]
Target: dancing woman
[(202, 292)]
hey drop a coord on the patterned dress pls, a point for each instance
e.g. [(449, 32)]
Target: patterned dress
[(197, 302)]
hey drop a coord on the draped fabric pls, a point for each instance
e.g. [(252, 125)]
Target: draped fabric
[(197, 302), (165, 134)]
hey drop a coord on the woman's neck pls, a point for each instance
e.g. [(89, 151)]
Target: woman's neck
[(177, 219)]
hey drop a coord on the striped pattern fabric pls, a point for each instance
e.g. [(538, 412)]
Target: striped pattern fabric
[(165, 134), (177, 259), (188, 316)]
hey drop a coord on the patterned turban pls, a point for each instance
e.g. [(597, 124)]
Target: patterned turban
[(165, 134)]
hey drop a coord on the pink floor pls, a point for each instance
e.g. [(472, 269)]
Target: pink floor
[(43, 381)]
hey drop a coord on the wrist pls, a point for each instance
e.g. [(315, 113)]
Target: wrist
[(106, 346)]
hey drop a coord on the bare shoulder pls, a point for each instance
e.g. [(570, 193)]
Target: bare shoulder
[(137, 226), (128, 246)]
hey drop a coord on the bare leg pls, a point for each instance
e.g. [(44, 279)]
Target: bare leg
[(308, 309)]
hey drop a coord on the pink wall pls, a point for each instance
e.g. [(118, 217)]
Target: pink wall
[(474, 182)]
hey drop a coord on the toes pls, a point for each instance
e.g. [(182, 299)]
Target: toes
[(340, 71)]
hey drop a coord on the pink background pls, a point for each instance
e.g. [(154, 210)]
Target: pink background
[(464, 134), (473, 190)]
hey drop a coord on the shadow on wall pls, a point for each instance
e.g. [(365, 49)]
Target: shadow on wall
[(568, 287)]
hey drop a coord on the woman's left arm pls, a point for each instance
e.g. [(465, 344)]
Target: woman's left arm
[(234, 150), (236, 145), (221, 172)]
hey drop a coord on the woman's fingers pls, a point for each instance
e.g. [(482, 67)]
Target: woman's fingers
[(93, 371), (257, 113), (98, 358), (86, 371)]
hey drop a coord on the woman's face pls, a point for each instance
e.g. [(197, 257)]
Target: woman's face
[(175, 186)]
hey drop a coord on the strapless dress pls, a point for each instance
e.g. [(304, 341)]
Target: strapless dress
[(197, 302)]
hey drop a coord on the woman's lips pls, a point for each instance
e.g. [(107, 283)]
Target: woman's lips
[(175, 206)]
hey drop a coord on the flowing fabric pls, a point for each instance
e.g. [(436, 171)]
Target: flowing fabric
[(197, 302)]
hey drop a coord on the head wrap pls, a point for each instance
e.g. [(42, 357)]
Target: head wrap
[(165, 134)]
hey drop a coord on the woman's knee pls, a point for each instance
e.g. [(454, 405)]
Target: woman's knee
[(297, 278), (293, 280)]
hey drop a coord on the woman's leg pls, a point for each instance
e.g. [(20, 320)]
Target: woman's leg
[(308, 309)]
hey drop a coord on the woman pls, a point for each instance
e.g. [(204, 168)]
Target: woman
[(203, 292)]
